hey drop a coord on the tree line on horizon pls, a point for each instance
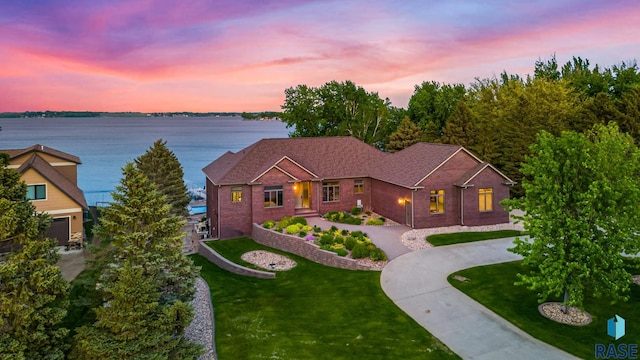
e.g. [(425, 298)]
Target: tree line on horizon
[(495, 118)]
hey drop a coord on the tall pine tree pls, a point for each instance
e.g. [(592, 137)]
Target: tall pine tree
[(162, 167), (406, 135), (146, 248), (32, 289)]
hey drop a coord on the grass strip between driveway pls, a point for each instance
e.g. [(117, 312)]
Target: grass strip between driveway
[(465, 237), (493, 286), (309, 312)]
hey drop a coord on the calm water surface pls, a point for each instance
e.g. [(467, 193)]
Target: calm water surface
[(105, 144)]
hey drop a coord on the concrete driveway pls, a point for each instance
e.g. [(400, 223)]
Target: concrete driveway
[(417, 283), (386, 238)]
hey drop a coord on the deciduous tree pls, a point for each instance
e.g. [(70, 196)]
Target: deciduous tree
[(580, 206)]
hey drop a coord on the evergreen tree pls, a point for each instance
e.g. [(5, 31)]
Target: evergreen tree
[(146, 254), (32, 289), (461, 127), (162, 167), (406, 135), (580, 205)]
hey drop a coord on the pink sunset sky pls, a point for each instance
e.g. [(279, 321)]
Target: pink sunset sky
[(240, 55)]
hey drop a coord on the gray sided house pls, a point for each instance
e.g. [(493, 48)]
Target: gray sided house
[(423, 186)]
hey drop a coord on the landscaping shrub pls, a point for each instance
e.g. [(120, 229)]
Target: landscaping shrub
[(284, 222), (278, 229), (340, 252), (292, 229), (333, 228), (344, 232), (373, 221), (327, 239), (358, 234), (317, 229), (359, 251), (356, 210), (371, 247), (302, 234), (299, 220), (337, 246), (350, 242), (339, 240), (269, 224), (377, 255), (382, 219), (307, 228), (352, 221)]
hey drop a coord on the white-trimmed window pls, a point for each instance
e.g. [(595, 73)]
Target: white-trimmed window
[(485, 199), (330, 191), (236, 194), (273, 196), (37, 192), (436, 201), (358, 186)]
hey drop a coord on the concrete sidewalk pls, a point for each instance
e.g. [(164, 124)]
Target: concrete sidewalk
[(386, 238), (417, 283)]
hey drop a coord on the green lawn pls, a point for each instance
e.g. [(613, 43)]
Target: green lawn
[(464, 237), (493, 287), (310, 312)]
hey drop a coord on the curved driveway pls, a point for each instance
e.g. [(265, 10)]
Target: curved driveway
[(417, 283)]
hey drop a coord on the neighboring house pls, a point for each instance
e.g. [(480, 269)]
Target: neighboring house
[(52, 186), (425, 185)]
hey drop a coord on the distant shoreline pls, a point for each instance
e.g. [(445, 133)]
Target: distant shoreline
[(265, 115)]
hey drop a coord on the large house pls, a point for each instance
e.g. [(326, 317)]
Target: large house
[(425, 185), (52, 186)]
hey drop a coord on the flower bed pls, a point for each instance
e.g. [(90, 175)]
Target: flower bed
[(354, 245), (355, 217)]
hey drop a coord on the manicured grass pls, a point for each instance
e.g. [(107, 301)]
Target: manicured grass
[(464, 237), (493, 287), (309, 312)]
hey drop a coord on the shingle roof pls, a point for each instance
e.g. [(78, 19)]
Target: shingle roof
[(410, 166), (38, 164), (327, 157), (13, 153)]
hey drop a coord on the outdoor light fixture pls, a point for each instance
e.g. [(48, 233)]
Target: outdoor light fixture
[(400, 201)]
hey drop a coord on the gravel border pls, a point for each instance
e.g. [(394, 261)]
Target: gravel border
[(574, 316), (268, 260), (202, 326)]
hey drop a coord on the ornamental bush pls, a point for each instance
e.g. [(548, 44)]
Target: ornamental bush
[(299, 220), (307, 228), (373, 221), (356, 210), (269, 224), (359, 252), (377, 255), (293, 229), (340, 252), (349, 242), (284, 222), (327, 239)]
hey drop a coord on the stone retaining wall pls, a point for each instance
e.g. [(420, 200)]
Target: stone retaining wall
[(217, 259), (307, 250)]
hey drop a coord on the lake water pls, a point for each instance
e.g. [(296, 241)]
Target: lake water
[(105, 144)]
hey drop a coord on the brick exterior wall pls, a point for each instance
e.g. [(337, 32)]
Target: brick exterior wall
[(385, 198), (300, 247), (235, 220), (472, 214), (212, 208), (217, 259), (348, 198)]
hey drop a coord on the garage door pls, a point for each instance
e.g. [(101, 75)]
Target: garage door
[(59, 229)]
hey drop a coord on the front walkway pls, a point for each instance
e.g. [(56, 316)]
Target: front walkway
[(386, 238), (417, 283)]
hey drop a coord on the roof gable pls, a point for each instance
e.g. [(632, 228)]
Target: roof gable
[(58, 180), (466, 179), (14, 153)]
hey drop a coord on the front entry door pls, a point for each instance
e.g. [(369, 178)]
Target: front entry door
[(301, 191), (408, 213)]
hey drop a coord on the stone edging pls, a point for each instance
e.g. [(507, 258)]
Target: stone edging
[(213, 323), (300, 247), (217, 259)]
